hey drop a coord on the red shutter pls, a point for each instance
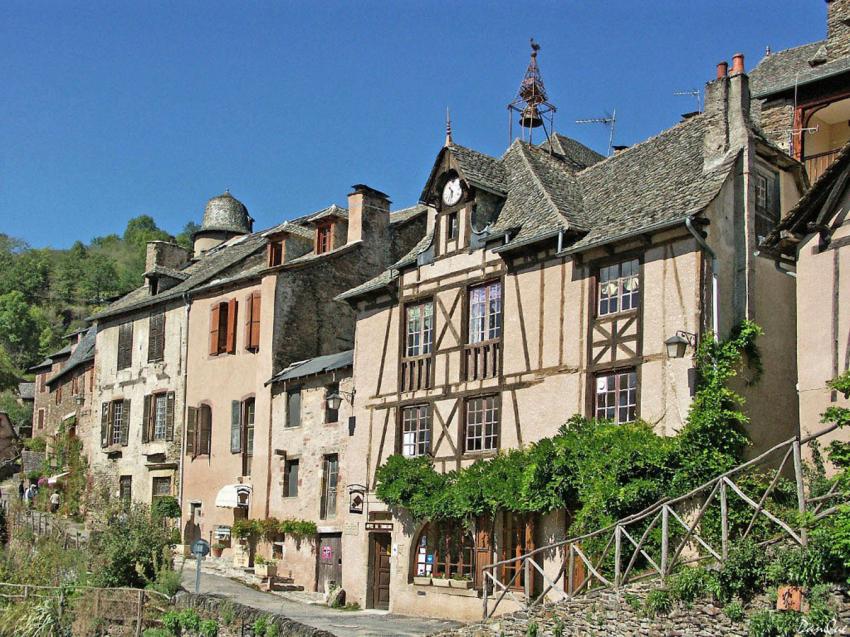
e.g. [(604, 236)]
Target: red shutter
[(255, 321), (232, 306), (249, 316), (214, 318)]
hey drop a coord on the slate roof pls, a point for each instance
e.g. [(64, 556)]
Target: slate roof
[(331, 211), (572, 151), (312, 366), (26, 391), (82, 354), (779, 71)]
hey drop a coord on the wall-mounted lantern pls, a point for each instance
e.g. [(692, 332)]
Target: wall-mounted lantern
[(678, 344), (335, 400)]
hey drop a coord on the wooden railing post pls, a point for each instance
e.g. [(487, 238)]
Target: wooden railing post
[(665, 538), (526, 564), (571, 565), (801, 492), (485, 595), (724, 521), (618, 539), (140, 613)]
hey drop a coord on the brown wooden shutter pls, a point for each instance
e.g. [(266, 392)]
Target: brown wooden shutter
[(232, 306), (156, 337), (146, 418), (235, 426), (191, 430), (249, 315), (125, 345), (104, 424), (214, 320), (169, 416), (125, 423), (254, 339), (205, 429)]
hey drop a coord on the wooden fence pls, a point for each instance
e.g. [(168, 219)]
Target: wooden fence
[(683, 538), (43, 524)]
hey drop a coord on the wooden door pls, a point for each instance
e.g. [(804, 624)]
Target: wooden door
[(329, 562), (381, 551)]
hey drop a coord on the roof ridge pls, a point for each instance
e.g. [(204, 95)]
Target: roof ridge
[(789, 49), (539, 181)]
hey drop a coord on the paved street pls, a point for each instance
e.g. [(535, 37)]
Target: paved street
[(364, 623)]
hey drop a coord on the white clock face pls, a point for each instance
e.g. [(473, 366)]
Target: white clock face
[(452, 191)]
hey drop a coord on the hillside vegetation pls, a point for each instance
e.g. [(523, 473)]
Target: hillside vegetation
[(45, 293)]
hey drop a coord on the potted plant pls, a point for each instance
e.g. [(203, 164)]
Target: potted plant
[(459, 580), (264, 568), (217, 549), (422, 580), (440, 580)]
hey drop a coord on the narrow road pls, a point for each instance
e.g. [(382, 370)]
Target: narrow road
[(362, 623)]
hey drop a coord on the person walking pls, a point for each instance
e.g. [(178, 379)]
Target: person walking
[(21, 490), (54, 502)]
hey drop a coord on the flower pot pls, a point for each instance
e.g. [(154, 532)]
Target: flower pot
[(217, 551), (460, 583), (441, 581), (422, 580), (265, 570)]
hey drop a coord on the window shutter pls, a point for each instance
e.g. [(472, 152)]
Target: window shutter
[(254, 339), (249, 315), (191, 429), (146, 418), (104, 424), (205, 428), (232, 306), (125, 345), (235, 426), (214, 318), (169, 416), (125, 423), (156, 337)]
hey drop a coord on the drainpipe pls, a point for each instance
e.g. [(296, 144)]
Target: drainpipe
[(778, 265), (560, 241), (715, 311), (188, 306)]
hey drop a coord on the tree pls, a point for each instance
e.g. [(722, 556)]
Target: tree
[(185, 237), (20, 327)]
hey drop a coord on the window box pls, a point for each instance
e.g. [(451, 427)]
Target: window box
[(422, 580), (442, 582), (465, 584), (267, 569)]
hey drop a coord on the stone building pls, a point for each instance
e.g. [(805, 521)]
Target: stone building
[(63, 386), (815, 238), (551, 283), (803, 94), (270, 309), (312, 401)]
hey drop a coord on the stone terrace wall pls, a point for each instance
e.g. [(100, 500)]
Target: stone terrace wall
[(607, 614), (209, 606)]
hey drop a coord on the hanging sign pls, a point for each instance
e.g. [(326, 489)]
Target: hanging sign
[(379, 526)]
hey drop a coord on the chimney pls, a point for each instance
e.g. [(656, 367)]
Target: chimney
[(368, 214), (167, 255), (722, 69), (837, 29), (727, 111)]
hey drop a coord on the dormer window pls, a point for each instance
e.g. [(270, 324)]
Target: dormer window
[(324, 238), (275, 253)]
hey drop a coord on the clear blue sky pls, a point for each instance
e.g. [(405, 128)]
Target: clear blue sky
[(112, 109)]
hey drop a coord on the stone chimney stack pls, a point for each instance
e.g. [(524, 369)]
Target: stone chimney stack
[(167, 255), (368, 215), (837, 29), (727, 110)]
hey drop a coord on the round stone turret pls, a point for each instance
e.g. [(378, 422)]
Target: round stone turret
[(224, 217)]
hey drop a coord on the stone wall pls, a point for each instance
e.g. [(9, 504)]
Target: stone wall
[(606, 613), (212, 607)]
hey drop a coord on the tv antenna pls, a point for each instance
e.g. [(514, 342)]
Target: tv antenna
[(610, 120), (694, 92)]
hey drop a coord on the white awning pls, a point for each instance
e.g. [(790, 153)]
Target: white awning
[(232, 496), (54, 479)]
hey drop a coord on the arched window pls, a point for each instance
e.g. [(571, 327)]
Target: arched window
[(445, 550)]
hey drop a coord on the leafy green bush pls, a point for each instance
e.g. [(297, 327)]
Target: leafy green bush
[(171, 621), (165, 507), (297, 528), (209, 628), (691, 583), (260, 626), (744, 572), (35, 444), (771, 623), (167, 582), (272, 631), (658, 602), (249, 530), (734, 611), (532, 629), (798, 566), (156, 632)]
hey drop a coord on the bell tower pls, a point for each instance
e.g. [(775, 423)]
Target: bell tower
[(531, 103)]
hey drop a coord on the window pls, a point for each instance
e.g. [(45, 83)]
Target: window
[(158, 419), (160, 487), (482, 424), (415, 431), (420, 329), (125, 345), (156, 337), (57, 394), (275, 253), (619, 287), (616, 396), (115, 423), (452, 227), (324, 238), (330, 476), (248, 436), (767, 202), (293, 407), (331, 415), (517, 539), (223, 327), (41, 419), (445, 550), (199, 431), (252, 322), (485, 312), (125, 490), (290, 479)]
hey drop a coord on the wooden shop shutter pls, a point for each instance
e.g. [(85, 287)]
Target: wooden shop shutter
[(146, 418), (125, 423), (232, 306), (169, 416), (191, 430), (235, 426), (156, 337), (214, 320), (104, 424)]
